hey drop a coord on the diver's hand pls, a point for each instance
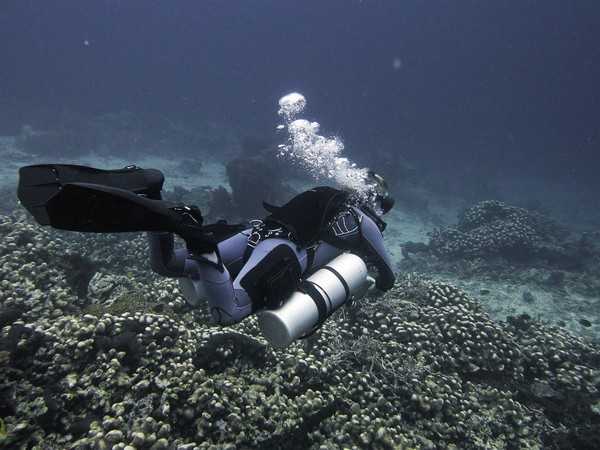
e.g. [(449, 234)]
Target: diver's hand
[(370, 283), (366, 289)]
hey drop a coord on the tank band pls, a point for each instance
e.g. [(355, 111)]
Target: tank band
[(342, 280), (311, 290)]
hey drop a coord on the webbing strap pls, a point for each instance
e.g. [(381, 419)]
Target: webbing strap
[(310, 257), (311, 290), (341, 278)]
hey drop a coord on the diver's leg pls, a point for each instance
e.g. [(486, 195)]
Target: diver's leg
[(202, 276), (232, 249), (229, 302), (164, 258), (226, 304), (168, 261)]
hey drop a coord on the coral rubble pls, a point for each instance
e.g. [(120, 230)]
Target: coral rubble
[(127, 365)]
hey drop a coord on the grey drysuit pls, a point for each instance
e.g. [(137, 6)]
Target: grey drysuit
[(228, 300)]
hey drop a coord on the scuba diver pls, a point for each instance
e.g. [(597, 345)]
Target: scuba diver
[(293, 268)]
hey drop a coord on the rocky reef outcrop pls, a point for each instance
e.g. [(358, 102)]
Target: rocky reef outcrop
[(493, 237), (492, 228)]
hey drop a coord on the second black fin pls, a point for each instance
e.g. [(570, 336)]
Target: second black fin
[(102, 209), (39, 183)]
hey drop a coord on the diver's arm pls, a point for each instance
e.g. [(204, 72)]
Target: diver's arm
[(376, 253), (168, 261), (355, 231)]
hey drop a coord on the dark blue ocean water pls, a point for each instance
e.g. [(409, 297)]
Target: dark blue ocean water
[(504, 90), (489, 337)]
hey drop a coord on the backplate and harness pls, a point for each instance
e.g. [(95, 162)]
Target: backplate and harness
[(302, 221)]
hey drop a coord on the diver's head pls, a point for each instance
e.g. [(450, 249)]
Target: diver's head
[(383, 199)]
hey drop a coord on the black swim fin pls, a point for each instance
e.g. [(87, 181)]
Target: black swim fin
[(103, 209), (39, 183)]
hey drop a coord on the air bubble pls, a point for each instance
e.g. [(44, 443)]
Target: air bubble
[(319, 155)]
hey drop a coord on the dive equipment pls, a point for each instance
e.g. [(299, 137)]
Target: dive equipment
[(274, 278), (383, 198), (38, 183), (81, 198), (307, 214), (102, 209), (318, 297)]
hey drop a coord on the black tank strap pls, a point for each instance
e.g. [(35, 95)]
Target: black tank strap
[(311, 290), (310, 256), (341, 278)]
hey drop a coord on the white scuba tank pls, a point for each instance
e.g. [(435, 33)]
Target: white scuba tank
[(330, 287)]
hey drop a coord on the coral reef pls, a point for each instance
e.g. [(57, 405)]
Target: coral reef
[(8, 199), (505, 242), (524, 261), (422, 366), (493, 228)]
